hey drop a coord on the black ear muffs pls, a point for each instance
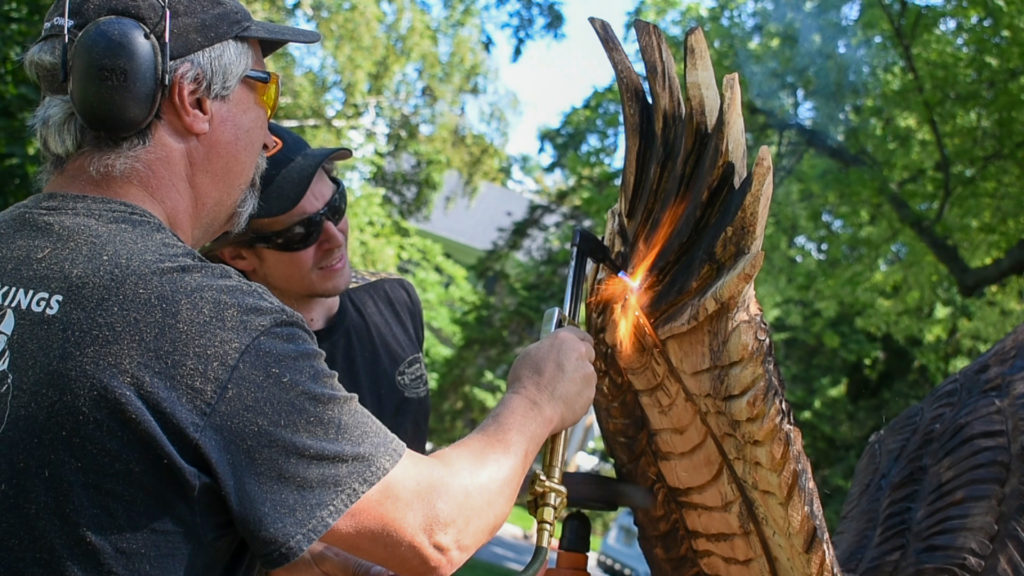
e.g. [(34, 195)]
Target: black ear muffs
[(115, 76)]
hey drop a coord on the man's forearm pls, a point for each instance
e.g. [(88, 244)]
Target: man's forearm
[(449, 504), (431, 513)]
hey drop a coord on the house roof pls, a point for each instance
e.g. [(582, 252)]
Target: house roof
[(475, 222)]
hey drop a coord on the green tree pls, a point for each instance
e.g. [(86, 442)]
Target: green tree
[(21, 22), (411, 84)]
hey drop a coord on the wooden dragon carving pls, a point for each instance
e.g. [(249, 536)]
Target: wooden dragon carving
[(691, 403)]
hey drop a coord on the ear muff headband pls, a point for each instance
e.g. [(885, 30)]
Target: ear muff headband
[(116, 74)]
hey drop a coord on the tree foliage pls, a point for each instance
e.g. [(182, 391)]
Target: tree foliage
[(22, 22), (406, 82), (524, 20)]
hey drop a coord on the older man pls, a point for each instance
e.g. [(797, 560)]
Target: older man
[(165, 415)]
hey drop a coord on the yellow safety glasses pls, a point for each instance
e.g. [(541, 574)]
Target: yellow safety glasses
[(268, 86)]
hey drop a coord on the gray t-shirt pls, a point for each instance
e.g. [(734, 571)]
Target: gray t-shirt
[(158, 413)]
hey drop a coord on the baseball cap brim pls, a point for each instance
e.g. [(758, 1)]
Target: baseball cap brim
[(288, 187), (274, 36)]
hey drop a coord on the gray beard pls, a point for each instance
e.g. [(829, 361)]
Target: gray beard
[(250, 199)]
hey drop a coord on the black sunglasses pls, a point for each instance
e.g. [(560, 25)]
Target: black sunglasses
[(307, 231)]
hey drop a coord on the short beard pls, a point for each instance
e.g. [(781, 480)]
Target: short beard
[(250, 199)]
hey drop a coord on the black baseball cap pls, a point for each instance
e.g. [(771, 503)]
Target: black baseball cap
[(290, 170), (195, 24)]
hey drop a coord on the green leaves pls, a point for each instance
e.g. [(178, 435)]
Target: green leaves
[(22, 23), (409, 82)]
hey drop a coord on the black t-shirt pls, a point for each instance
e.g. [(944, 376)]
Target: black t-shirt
[(160, 414), (375, 343)]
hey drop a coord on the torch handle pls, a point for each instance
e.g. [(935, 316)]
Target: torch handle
[(548, 496)]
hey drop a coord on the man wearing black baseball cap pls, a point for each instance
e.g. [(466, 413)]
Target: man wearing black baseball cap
[(296, 245), (162, 415)]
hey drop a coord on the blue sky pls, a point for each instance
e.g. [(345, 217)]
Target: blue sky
[(552, 77)]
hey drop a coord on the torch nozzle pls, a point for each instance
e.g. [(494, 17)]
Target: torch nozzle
[(597, 251), (632, 283)]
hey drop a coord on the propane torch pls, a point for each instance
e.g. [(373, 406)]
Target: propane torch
[(548, 496)]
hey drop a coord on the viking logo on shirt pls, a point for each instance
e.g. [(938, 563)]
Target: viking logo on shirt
[(6, 387), (411, 377), (13, 298), (34, 300)]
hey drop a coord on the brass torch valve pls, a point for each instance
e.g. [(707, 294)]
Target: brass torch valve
[(547, 501)]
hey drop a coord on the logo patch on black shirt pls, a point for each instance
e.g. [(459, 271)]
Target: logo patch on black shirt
[(411, 377)]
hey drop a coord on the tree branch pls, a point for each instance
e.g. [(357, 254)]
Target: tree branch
[(944, 164), (818, 141), (969, 281)]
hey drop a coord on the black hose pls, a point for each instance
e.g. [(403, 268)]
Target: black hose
[(539, 559)]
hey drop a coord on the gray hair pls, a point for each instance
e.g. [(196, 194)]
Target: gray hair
[(216, 70)]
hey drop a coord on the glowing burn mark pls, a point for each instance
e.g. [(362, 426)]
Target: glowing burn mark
[(624, 295), (627, 294)]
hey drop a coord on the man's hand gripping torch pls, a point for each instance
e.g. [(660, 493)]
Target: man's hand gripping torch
[(548, 496)]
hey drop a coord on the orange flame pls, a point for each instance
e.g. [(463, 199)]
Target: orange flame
[(628, 299)]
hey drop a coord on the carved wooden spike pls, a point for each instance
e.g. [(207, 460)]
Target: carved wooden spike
[(689, 400)]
